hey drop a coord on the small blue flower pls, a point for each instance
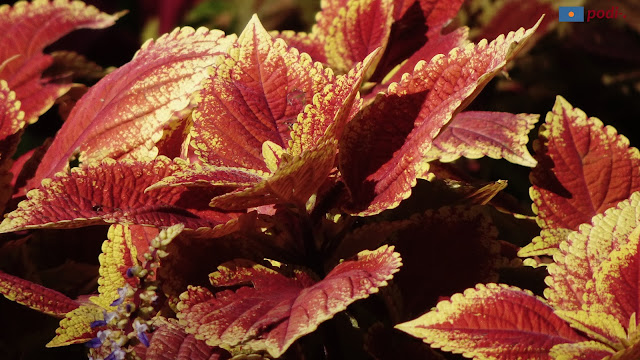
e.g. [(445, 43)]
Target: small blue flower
[(122, 294), (117, 354), (97, 323), (94, 343), (141, 329), (142, 336)]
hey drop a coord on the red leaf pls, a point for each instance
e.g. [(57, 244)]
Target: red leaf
[(27, 28), (170, 342), (135, 102), (254, 97), (493, 321), (416, 34), (111, 192), (351, 30), (584, 168), (380, 160), (474, 134), (276, 310), (35, 296)]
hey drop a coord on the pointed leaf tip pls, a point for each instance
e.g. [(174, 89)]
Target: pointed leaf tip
[(493, 321), (584, 168), (277, 310)]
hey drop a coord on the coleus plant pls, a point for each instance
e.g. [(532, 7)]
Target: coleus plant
[(253, 183)]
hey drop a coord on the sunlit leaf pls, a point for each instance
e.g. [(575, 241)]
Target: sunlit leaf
[(583, 169), (75, 328), (134, 103), (595, 271), (253, 97), (330, 110), (118, 255), (493, 322), (379, 159), (113, 191), (27, 28), (277, 310), (474, 134), (351, 30), (586, 350), (293, 182)]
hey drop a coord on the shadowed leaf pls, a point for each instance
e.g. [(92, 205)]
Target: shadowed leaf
[(27, 28), (35, 296)]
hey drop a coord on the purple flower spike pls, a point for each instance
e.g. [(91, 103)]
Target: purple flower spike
[(130, 272)]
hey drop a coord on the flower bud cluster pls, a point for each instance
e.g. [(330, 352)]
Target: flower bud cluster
[(129, 321)]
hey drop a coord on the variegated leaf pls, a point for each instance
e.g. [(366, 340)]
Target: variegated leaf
[(277, 310), (380, 160), (474, 134), (583, 169), (134, 103), (35, 296), (493, 322), (113, 191), (253, 97), (593, 282)]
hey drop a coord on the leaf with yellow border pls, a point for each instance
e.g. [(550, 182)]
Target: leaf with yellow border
[(493, 322), (593, 288), (35, 296), (253, 96), (114, 191), (135, 102), (583, 169), (591, 283), (351, 30), (119, 254), (169, 341), (277, 310), (474, 134), (296, 170), (381, 160)]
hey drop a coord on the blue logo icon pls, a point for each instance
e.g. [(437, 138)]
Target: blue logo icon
[(571, 14)]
